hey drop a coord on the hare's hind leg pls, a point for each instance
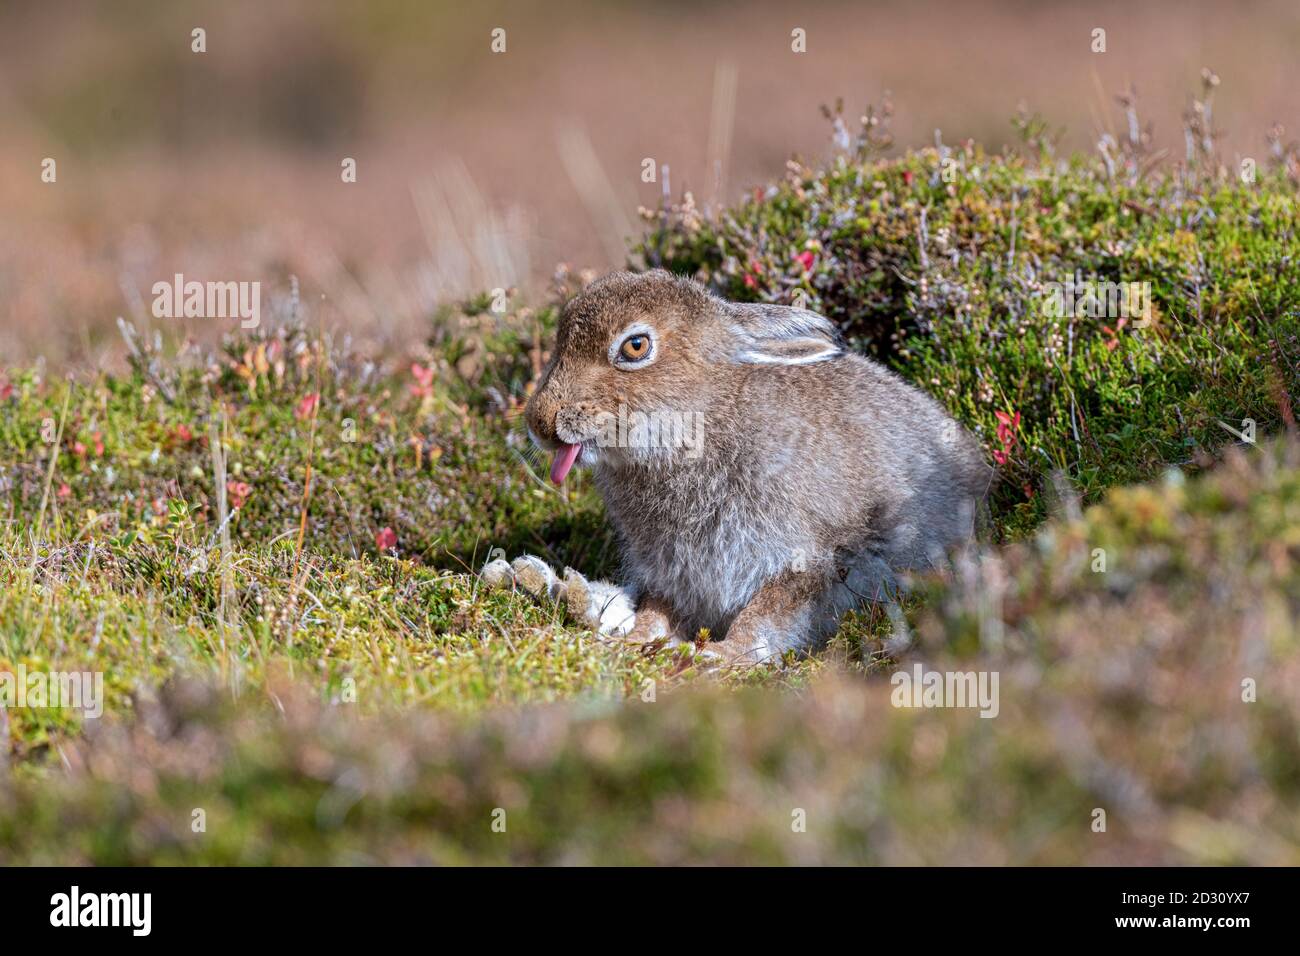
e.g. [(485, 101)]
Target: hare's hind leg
[(654, 622), (790, 612)]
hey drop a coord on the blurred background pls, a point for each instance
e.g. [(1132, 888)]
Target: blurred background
[(477, 170)]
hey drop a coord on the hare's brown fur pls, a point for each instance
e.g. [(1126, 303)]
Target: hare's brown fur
[(820, 473)]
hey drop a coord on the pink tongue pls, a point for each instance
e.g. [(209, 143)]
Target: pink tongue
[(564, 459)]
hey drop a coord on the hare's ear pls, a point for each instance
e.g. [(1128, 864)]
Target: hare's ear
[(781, 335)]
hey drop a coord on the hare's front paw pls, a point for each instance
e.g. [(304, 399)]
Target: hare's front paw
[(498, 574), (605, 608), (535, 576)]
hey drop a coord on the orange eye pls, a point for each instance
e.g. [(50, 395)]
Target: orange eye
[(635, 347)]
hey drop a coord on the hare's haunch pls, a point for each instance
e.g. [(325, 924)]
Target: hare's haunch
[(761, 478)]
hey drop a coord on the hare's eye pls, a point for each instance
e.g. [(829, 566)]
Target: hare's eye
[(635, 347)]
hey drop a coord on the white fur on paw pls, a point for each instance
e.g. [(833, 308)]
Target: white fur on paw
[(535, 576), (605, 607), (497, 574)]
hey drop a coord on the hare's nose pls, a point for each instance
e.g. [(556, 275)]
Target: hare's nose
[(541, 413)]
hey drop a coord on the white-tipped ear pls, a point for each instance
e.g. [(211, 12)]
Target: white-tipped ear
[(781, 335)]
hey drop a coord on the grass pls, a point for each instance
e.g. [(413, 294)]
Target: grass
[(268, 551), (1120, 691)]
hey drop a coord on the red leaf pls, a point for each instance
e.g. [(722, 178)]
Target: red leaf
[(238, 492), (306, 406)]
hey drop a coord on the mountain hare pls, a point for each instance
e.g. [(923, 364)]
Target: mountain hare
[(762, 480)]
